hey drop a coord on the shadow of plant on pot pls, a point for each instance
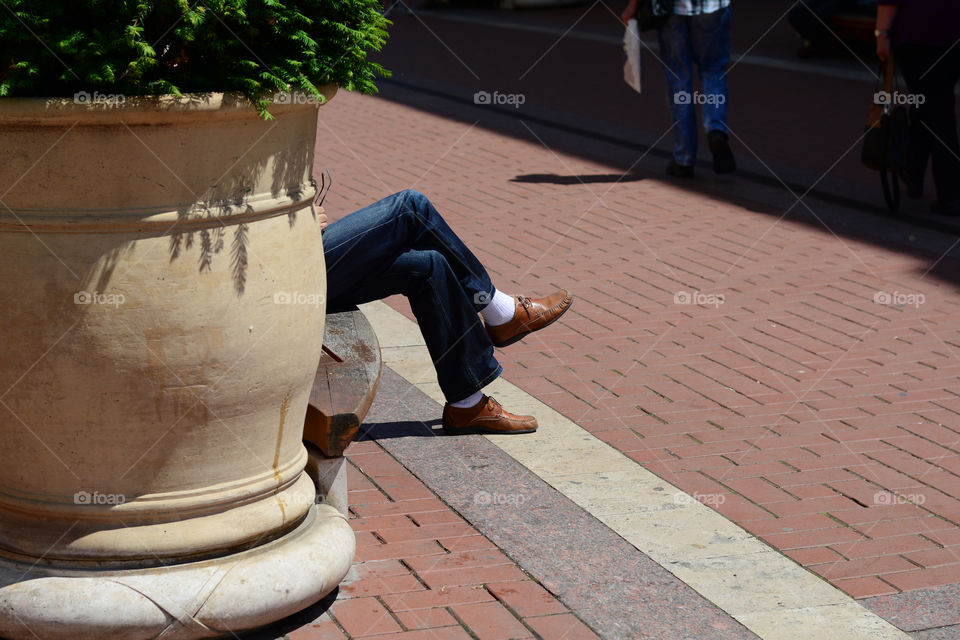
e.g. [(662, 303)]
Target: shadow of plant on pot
[(233, 194)]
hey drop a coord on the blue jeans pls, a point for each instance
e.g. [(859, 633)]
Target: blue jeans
[(704, 39), (401, 244)]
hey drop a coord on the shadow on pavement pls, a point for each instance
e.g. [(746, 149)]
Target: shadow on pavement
[(385, 430), (552, 178), (293, 622)]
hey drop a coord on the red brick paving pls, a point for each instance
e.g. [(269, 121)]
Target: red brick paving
[(435, 588), (826, 419)]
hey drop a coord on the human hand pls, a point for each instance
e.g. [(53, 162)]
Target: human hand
[(883, 47), (322, 218), (629, 12)]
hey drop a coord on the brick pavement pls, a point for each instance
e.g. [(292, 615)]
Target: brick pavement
[(424, 573), (437, 558), (788, 373)]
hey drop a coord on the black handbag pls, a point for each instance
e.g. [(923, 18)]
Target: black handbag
[(885, 140), (652, 14)]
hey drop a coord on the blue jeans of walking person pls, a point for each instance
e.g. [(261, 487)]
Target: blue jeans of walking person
[(705, 40), (401, 245)]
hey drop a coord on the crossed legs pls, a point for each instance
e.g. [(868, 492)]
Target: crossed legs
[(402, 245)]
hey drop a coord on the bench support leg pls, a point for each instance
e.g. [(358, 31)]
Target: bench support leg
[(330, 476)]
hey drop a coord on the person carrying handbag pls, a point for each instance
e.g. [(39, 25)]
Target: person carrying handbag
[(925, 36)]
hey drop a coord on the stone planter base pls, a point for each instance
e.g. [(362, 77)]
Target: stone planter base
[(182, 602)]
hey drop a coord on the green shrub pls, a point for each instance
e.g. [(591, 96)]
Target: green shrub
[(140, 47)]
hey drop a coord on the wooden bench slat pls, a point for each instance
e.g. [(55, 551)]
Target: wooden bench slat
[(345, 384)]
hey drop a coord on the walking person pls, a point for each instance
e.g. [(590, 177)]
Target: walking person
[(924, 36), (696, 32)]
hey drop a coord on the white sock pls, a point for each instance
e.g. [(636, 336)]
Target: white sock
[(470, 401), (500, 310)]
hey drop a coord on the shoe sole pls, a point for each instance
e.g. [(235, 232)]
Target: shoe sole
[(466, 431), (521, 336)]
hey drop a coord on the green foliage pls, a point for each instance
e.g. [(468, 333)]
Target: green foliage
[(143, 47)]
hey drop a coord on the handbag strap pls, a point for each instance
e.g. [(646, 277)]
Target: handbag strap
[(888, 72)]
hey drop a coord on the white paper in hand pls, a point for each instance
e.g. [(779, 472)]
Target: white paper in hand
[(631, 47)]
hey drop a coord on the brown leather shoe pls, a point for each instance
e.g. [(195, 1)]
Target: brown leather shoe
[(486, 417), (531, 314)]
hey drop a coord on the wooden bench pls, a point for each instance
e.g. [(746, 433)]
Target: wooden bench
[(343, 390)]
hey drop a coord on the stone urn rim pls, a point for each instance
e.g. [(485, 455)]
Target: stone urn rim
[(146, 109), (160, 111)]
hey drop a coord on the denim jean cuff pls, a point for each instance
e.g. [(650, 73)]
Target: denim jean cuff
[(456, 394)]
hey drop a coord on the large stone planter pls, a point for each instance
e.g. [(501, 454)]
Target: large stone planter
[(161, 309)]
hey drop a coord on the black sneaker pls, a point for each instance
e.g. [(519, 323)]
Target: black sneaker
[(719, 143), (679, 170)]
